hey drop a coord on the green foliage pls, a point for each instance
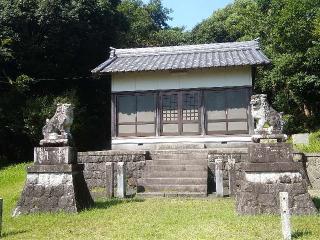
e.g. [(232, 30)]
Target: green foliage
[(144, 20), (232, 23), (313, 146), (170, 37), (289, 33)]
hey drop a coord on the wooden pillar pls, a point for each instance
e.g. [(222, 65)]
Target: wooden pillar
[(202, 114), (158, 115), (114, 127)]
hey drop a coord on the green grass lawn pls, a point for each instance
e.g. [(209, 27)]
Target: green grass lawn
[(144, 219)]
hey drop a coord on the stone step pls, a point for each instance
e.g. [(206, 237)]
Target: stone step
[(180, 146), (174, 181), (178, 156), (170, 194), (171, 168), (175, 188), (176, 174), (198, 162)]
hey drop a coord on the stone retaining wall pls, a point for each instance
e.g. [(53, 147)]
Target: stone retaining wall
[(95, 167), (311, 162), (231, 158)]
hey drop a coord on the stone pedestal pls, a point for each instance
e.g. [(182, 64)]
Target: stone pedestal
[(270, 170), (54, 183), (276, 137)]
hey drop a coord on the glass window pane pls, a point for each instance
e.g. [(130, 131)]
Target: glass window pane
[(190, 106), (170, 108), (170, 128), (146, 108), (127, 129), (126, 108), (146, 128), (191, 127), (237, 126), (217, 126), (215, 105), (237, 104)]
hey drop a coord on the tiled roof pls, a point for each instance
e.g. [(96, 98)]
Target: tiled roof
[(183, 57)]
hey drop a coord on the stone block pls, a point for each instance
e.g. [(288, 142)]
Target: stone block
[(301, 138), (219, 177), (54, 155), (266, 153), (121, 180), (110, 179), (62, 168)]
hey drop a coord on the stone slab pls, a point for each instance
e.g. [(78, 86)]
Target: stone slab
[(55, 142), (219, 177), (277, 137), (264, 153), (121, 180), (272, 167), (301, 138), (110, 179), (273, 177), (62, 168), (54, 155)]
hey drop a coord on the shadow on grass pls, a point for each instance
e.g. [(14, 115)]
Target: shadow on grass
[(299, 234), (12, 233), (316, 201), (107, 203)]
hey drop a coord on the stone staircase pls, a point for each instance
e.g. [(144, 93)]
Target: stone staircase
[(176, 173)]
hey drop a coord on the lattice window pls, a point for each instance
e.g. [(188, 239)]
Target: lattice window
[(190, 110), (170, 108)]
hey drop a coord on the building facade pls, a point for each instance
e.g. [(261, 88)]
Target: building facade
[(187, 93)]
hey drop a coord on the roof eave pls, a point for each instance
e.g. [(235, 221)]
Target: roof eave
[(184, 69)]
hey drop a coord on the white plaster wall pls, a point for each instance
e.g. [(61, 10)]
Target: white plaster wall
[(205, 78)]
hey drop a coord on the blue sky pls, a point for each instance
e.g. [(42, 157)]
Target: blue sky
[(190, 12)]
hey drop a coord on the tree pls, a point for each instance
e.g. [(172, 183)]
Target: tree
[(289, 35), (46, 53), (237, 21), (143, 21)]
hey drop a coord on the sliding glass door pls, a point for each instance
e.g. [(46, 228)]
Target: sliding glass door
[(180, 113), (226, 111), (184, 112), (136, 115)]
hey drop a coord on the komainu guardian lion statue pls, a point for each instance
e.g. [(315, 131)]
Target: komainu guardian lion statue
[(57, 129), (263, 114)]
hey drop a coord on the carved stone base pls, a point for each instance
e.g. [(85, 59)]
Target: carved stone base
[(269, 137), (54, 188), (259, 193), (269, 170), (54, 183)]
